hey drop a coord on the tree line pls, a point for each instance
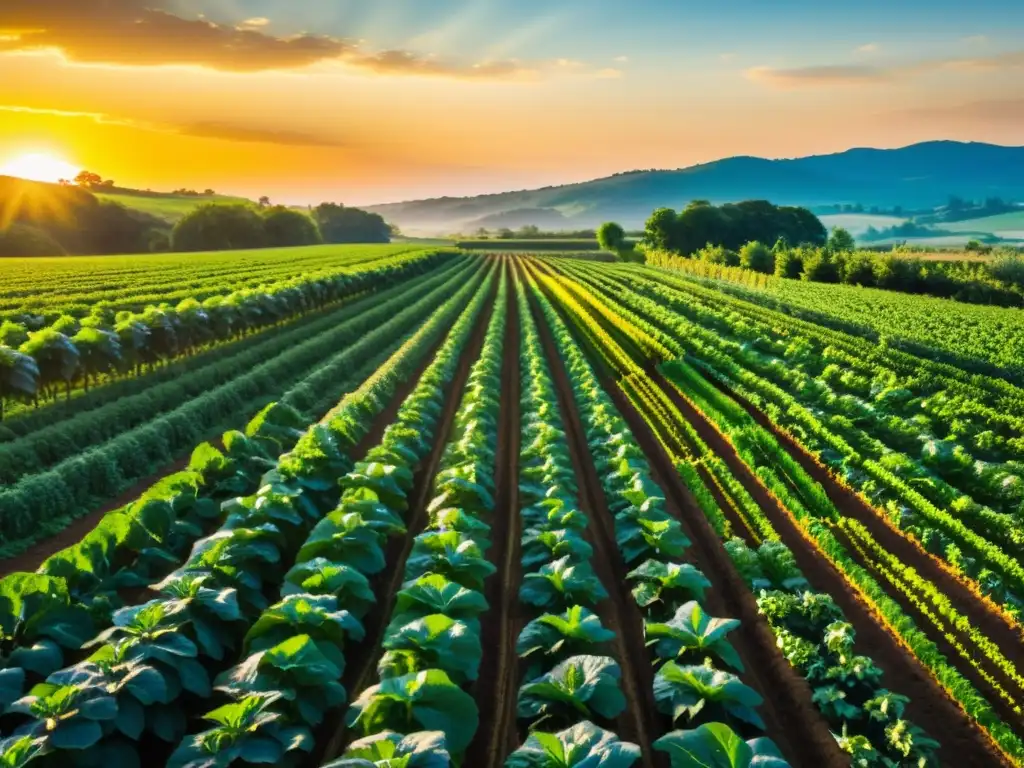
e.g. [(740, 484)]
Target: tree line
[(56, 220), (224, 227), (730, 226)]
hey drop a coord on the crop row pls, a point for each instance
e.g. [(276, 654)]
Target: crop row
[(75, 285), (690, 650), (909, 496), (75, 351), (160, 660), (789, 483)]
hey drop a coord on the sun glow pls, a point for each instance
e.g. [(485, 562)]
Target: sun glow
[(39, 166)]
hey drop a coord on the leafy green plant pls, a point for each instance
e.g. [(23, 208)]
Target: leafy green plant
[(321, 576), (317, 616), (692, 691), (249, 731), (645, 532), (451, 554), (582, 745), (692, 632), (561, 584), (550, 638), (426, 700), (579, 686), (432, 642), (436, 593), (345, 538), (306, 679), (716, 745), (425, 749), (660, 587), (542, 546)]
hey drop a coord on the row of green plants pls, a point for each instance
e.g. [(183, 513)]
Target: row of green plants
[(60, 436), (798, 493), (570, 684), (80, 351), (431, 656), (692, 656), (45, 501), (139, 544), (37, 292), (845, 684), (997, 573), (165, 659), (952, 436)]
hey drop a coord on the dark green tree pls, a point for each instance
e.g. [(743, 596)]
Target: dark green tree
[(339, 224), (286, 227), (214, 227), (841, 241), (611, 237)]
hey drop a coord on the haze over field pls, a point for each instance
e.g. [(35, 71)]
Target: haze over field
[(386, 101)]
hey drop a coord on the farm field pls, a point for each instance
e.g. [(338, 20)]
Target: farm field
[(1008, 225), (166, 206), (504, 509)]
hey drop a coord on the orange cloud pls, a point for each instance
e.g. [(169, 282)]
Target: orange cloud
[(128, 32)]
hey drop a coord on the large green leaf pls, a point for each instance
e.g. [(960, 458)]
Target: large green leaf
[(583, 745), (435, 593), (432, 642), (716, 745), (580, 686), (315, 615), (425, 749), (692, 691), (552, 638), (542, 546), (451, 554), (692, 630), (666, 584), (321, 576), (345, 539), (426, 700), (561, 584)]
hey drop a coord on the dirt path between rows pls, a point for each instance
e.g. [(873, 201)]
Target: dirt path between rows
[(963, 743), (496, 689), (641, 723), (361, 666)]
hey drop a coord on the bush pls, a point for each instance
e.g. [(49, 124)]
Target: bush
[(285, 227), (23, 240), (857, 268), (758, 257), (788, 263), (820, 266), (213, 227), (1008, 268), (717, 254)]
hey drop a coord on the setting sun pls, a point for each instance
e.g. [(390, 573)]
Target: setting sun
[(39, 167)]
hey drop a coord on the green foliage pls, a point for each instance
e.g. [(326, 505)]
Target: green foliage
[(582, 745), (716, 745), (579, 686), (611, 237), (286, 227), (425, 749), (338, 224), (214, 227), (25, 240), (758, 257)]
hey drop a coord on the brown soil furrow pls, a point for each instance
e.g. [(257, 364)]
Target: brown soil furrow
[(362, 659), (641, 723), (963, 742), (496, 688)]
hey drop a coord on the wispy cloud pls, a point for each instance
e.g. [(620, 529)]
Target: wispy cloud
[(868, 48), (208, 130), (729, 56), (976, 40), (621, 59), (608, 74), (1008, 111), (853, 74), (831, 74), (130, 32)]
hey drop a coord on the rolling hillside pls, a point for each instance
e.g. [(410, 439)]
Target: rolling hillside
[(918, 176)]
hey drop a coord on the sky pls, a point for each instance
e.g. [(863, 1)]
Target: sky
[(367, 101)]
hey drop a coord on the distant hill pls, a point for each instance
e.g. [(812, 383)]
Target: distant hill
[(918, 176), (167, 206)]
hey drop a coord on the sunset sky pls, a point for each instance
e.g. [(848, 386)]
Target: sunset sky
[(365, 101)]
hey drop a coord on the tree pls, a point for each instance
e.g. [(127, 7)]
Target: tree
[(215, 227), (611, 237), (88, 179), (56, 357), (99, 351), (264, 202), (286, 227), (841, 241), (505, 234), (209, 192), (23, 240), (757, 256), (339, 224), (660, 230)]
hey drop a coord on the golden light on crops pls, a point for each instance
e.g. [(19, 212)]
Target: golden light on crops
[(39, 166)]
